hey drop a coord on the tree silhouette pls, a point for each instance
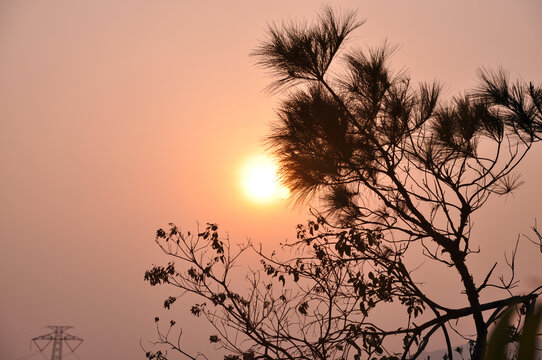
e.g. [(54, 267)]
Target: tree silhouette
[(397, 170)]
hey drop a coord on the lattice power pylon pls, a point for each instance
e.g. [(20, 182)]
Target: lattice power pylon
[(58, 337)]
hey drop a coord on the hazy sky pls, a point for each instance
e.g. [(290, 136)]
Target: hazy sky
[(117, 117)]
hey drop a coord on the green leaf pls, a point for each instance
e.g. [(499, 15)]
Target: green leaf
[(527, 340), (499, 338)]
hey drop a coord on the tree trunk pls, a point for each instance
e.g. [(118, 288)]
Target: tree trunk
[(474, 301)]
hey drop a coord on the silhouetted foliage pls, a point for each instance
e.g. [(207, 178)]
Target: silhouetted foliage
[(397, 170), (506, 342)]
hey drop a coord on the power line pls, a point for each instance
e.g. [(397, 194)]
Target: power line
[(58, 337)]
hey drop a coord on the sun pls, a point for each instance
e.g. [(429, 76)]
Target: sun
[(260, 181)]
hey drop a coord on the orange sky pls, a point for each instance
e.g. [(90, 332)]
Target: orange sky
[(117, 117)]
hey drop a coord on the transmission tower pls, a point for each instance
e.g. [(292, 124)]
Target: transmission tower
[(58, 337)]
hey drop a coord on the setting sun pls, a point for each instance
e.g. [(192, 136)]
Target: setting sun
[(260, 180)]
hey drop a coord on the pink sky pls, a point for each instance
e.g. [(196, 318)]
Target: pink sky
[(118, 117)]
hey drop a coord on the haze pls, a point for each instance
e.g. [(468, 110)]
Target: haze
[(118, 117)]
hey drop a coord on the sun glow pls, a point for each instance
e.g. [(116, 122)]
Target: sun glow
[(260, 180)]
